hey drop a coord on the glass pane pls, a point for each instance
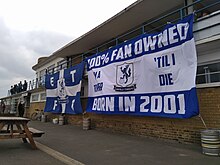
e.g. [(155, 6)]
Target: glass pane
[(215, 77), (42, 80), (51, 68), (214, 67), (43, 96), (35, 97), (200, 70), (200, 79), (209, 75)]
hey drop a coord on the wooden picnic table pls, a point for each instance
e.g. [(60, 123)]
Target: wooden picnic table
[(22, 130)]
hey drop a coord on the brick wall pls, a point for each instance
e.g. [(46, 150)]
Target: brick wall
[(209, 101), (181, 130), (40, 106), (77, 119), (33, 106)]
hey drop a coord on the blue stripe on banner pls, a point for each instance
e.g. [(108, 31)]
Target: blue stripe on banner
[(181, 104), (172, 36)]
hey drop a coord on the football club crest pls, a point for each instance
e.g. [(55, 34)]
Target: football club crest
[(125, 77), (62, 94)]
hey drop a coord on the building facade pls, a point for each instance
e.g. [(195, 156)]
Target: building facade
[(149, 17)]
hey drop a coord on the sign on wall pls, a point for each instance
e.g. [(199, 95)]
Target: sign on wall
[(151, 75), (63, 90)]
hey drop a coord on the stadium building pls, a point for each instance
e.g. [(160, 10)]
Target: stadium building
[(142, 17)]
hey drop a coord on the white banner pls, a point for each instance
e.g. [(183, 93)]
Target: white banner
[(150, 75)]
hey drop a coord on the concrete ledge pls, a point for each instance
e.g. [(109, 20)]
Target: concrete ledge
[(61, 157)]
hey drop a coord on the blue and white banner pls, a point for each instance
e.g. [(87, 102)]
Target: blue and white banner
[(63, 90), (151, 75)]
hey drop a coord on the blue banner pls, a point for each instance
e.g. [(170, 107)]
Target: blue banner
[(63, 90), (150, 75)]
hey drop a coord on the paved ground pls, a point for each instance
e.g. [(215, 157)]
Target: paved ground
[(100, 148), (15, 152)]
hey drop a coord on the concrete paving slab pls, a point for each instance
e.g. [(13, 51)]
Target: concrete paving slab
[(94, 147), (15, 152)]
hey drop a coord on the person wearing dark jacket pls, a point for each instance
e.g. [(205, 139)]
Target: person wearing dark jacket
[(21, 109), (24, 88)]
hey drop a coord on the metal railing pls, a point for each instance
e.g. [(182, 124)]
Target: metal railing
[(32, 84), (179, 14)]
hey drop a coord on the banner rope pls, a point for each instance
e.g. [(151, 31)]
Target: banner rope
[(202, 121)]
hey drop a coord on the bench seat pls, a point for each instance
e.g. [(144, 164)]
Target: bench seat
[(35, 132)]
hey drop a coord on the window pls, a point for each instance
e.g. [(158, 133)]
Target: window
[(62, 64), (50, 69), (38, 97), (209, 73), (43, 97), (35, 97), (42, 77)]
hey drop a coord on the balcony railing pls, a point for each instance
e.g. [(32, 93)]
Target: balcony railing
[(32, 84)]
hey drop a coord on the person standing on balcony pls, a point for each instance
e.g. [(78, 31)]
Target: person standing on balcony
[(12, 90), (15, 89), (19, 87), (24, 88)]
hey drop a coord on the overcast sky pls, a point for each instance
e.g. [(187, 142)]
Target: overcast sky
[(30, 29)]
